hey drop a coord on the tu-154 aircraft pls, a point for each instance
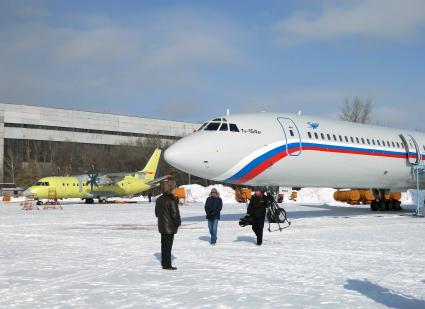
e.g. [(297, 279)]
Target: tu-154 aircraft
[(93, 185), (273, 149)]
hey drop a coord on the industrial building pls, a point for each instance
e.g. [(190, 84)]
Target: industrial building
[(35, 123)]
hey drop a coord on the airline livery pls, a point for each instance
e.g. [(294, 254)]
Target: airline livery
[(273, 149), (101, 187)]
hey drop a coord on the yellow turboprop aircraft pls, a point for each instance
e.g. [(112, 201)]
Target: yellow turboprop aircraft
[(92, 186)]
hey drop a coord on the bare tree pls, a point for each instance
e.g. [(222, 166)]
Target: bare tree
[(356, 110)]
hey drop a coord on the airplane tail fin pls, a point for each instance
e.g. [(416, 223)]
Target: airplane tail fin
[(152, 165)]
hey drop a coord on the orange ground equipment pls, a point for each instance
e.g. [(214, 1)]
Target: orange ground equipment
[(180, 193), (243, 195)]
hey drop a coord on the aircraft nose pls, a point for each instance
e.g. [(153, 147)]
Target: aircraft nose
[(178, 156), (28, 192)]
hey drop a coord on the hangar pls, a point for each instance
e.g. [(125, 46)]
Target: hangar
[(34, 123)]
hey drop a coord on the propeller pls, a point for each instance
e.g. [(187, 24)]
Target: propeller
[(93, 175)]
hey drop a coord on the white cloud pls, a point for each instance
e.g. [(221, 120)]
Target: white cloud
[(396, 20)]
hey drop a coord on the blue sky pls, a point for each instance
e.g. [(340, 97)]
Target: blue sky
[(191, 60)]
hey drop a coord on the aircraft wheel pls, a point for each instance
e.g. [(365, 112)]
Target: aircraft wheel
[(39, 203), (381, 205), (373, 206), (397, 205), (388, 205), (89, 201)]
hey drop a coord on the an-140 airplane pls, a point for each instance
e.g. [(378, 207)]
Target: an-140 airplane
[(273, 149), (103, 186)]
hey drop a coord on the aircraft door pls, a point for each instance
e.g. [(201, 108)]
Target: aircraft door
[(292, 136), (411, 146)]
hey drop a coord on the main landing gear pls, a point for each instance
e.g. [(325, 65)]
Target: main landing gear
[(385, 201)]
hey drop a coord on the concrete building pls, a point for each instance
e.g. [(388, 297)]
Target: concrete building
[(25, 122)]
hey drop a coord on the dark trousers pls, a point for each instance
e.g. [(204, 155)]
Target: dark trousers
[(166, 245), (257, 227)]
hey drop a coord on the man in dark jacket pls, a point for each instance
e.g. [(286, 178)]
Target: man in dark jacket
[(257, 210), (167, 212), (213, 206)]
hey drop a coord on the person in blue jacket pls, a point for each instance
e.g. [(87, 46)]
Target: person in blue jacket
[(213, 207)]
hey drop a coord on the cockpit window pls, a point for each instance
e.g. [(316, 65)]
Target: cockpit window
[(212, 126), (42, 183), (224, 127), (233, 128), (203, 126), (224, 119), (217, 119)]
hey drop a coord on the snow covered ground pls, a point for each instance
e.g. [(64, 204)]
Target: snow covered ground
[(107, 256)]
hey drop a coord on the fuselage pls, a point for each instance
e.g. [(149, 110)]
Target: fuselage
[(300, 151)]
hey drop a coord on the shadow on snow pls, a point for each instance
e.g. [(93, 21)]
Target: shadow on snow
[(383, 295)]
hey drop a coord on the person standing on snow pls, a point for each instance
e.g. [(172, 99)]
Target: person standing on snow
[(257, 210), (167, 212), (213, 206)]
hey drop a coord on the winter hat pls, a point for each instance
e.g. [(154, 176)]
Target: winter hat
[(214, 190)]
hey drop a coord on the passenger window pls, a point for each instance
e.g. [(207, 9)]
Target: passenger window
[(357, 140), (291, 132), (47, 184), (309, 134), (368, 141), (224, 127), (212, 126), (316, 136), (393, 144), (352, 139), (373, 142), (340, 138), (378, 142), (233, 128), (388, 143), (346, 139), (398, 145), (362, 140), (329, 136), (334, 137), (63, 184), (322, 135)]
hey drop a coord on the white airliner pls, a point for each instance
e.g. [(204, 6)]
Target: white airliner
[(273, 149)]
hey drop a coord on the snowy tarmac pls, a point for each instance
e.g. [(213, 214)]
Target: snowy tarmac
[(107, 256)]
